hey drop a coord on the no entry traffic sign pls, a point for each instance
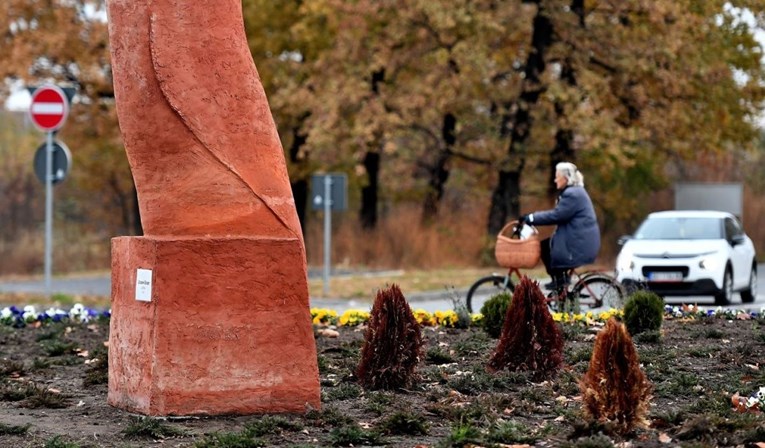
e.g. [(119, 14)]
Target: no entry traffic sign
[(49, 108)]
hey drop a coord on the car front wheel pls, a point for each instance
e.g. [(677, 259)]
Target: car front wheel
[(725, 295), (750, 293)]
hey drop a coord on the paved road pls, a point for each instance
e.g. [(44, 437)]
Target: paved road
[(429, 301), (704, 302)]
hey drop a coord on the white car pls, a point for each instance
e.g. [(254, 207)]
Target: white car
[(690, 253)]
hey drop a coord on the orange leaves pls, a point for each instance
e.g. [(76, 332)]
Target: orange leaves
[(392, 343), (614, 389), (530, 340)]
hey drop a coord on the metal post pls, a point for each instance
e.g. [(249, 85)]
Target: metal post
[(327, 230), (48, 212)]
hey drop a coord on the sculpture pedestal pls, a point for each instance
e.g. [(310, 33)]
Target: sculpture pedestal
[(227, 329)]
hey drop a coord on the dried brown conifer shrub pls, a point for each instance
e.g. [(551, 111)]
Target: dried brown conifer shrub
[(614, 390), (392, 343), (530, 339)]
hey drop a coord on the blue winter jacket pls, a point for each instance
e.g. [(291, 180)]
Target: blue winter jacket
[(576, 241)]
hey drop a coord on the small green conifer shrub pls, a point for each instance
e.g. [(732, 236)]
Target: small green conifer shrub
[(493, 311), (644, 311)]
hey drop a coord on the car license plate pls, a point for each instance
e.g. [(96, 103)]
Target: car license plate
[(665, 276)]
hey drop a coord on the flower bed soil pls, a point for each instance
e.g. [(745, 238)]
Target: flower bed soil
[(53, 393)]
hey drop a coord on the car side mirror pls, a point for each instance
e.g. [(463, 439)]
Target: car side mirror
[(623, 239), (736, 240)]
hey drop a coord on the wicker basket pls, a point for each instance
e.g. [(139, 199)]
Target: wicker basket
[(516, 253)]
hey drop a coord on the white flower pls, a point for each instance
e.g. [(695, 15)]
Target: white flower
[(76, 311), (6, 312), (29, 314)]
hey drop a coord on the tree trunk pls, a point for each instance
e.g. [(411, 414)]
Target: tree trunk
[(438, 173), (299, 185), (368, 211), (564, 137), (505, 200), (562, 152), (369, 192)]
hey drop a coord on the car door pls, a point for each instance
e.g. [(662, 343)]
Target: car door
[(741, 258)]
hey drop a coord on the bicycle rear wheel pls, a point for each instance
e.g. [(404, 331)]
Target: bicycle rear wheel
[(487, 287), (596, 291)]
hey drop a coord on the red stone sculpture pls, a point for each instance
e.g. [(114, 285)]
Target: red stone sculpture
[(227, 328)]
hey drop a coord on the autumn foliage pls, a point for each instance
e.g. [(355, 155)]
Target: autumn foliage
[(530, 339), (392, 343), (614, 390)]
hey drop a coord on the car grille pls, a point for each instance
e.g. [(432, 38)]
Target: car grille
[(666, 255), (648, 269)]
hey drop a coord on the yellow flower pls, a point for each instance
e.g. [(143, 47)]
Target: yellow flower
[(476, 318), (605, 315), (423, 317), (352, 318), (446, 318), (323, 316)]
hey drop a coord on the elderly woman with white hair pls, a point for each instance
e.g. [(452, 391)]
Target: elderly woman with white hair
[(576, 240)]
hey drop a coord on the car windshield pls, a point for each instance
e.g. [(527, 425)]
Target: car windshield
[(679, 229)]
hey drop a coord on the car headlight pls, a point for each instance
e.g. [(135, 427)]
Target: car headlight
[(625, 262), (709, 263)]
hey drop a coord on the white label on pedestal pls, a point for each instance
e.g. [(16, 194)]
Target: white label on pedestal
[(143, 285)]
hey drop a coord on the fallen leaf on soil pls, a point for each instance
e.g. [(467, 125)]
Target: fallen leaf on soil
[(328, 333), (743, 316), (365, 425), (55, 391), (760, 444), (753, 366), (663, 438)]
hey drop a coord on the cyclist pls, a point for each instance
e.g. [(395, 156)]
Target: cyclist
[(576, 240)]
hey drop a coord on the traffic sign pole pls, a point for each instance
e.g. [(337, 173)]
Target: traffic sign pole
[(48, 212), (327, 230), (48, 111)]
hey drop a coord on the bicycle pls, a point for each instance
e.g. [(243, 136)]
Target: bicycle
[(593, 289)]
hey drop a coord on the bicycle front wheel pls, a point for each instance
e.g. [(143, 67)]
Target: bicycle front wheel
[(598, 291), (486, 288)]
